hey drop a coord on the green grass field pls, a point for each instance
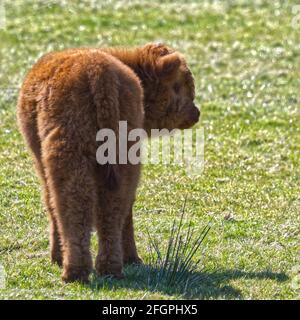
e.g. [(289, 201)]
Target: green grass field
[(245, 59)]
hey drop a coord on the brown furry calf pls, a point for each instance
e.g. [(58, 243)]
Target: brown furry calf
[(65, 99)]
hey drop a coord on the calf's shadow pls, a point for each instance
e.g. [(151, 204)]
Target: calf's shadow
[(208, 284)]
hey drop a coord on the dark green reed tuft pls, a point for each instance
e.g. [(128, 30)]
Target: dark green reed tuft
[(178, 264)]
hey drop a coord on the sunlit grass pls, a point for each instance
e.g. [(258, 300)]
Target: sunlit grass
[(245, 59)]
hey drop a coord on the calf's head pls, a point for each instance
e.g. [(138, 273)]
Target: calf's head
[(169, 89)]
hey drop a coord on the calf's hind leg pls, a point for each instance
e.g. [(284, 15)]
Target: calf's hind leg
[(72, 191), (114, 224), (109, 223), (55, 241), (28, 125)]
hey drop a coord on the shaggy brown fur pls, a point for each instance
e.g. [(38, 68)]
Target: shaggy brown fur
[(65, 99)]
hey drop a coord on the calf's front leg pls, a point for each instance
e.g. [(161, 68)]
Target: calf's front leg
[(130, 255)]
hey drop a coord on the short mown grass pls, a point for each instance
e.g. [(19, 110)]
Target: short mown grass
[(245, 58)]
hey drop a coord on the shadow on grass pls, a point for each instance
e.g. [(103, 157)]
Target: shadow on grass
[(209, 285)]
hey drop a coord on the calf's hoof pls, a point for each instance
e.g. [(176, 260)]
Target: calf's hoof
[(76, 274), (104, 268)]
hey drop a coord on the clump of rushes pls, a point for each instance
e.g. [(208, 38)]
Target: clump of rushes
[(176, 265), (171, 269)]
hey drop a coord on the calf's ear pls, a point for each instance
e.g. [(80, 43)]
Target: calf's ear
[(168, 65)]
